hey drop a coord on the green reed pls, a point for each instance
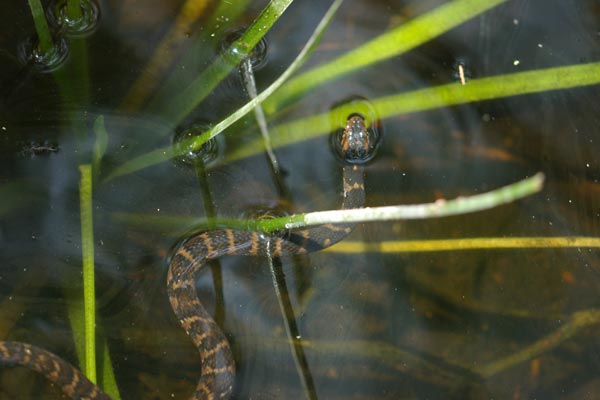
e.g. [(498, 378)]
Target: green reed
[(74, 10), (87, 250), (46, 45)]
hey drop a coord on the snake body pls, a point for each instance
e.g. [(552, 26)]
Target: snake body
[(217, 364)]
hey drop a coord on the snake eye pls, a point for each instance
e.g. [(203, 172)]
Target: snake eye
[(355, 144)]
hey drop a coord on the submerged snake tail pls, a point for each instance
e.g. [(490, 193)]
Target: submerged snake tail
[(70, 380)]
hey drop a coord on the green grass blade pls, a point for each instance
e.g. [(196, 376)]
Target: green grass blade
[(439, 208), (166, 153), (46, 44), (385, 46), (409, 102), (440, 96), (74, 10), (181, 105), (436, 209), (87, 248), (109, 382)]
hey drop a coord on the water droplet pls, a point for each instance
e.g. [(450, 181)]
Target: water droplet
[(208, 153)]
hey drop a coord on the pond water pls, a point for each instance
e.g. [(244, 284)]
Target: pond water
[(469, 324)]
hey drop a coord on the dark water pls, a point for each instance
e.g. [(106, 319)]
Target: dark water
[(374, 325)]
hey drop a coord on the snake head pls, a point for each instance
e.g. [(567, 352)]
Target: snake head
[(355, 144)]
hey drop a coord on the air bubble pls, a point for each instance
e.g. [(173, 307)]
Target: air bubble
[(90, 15), (237, 51), (208, 153)]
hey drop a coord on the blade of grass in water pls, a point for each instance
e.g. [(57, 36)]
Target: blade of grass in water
[(440, 96), (168, 152), (390, 44), (87, 249), (46, 46), (415, 246), (109, 382), (440, 208), (182, 104), (74, 9), (453, 14), (82, 316)]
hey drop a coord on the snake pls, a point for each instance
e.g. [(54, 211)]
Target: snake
[(354, 144)]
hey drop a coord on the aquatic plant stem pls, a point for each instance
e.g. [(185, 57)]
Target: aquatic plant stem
[(481, 89), (166, 153), (574, 324), (109, 382), (403, 103), (74, 10), (487, 243), (291, 327), (248, 77), (46, 45), (182, 104), (439, 208), (87, 249)]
